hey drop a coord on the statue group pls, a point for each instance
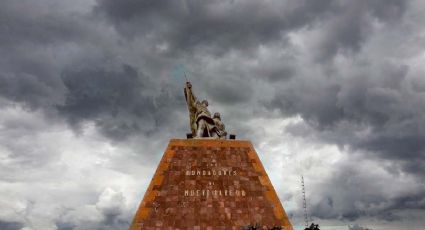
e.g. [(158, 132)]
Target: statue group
[(202, 124), (313, 227)]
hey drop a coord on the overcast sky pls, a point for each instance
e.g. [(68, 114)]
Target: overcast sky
[(91, 93)]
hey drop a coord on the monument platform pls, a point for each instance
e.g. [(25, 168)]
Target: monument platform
[(210, 184)]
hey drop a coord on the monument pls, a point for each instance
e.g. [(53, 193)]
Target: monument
[(209, 182)]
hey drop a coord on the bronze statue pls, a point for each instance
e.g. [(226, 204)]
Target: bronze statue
[(313, 227), (202, 125)]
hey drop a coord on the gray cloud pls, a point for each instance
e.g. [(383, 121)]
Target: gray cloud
[(353, 192), (113, 99), (214, 27), (110, 207), (383, 104), (376, 115), (351, 24), (10, 225), (36, 41), (357, 227)]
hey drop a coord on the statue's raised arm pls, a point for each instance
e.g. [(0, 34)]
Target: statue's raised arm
[(191, 105)]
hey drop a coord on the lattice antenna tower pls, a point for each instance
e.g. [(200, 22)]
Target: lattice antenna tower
[(304, 202)]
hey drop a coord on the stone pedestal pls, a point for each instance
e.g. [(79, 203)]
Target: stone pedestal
[(210, 184)]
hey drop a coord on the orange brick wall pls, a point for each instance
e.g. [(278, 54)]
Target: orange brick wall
[(210, 184)]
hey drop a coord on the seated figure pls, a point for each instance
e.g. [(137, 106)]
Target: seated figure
[(219, 130)]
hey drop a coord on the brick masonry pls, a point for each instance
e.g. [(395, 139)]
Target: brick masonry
[(210, 184)]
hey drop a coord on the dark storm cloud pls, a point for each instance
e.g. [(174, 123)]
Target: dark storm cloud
[(5, 225), (108, 222), (220, 26), (27, 88), (229, 91), (30, 38), (376, 114), (121, 102), (183, 26), (53, 64), (354, 192), (214, 26), (25, 22), (111, 218), (102, 96), (357, 227), (317, 103), (384, 104), (351, 24), (344, 32)]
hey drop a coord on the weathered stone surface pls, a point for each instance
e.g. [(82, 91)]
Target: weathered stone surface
[(210, 184)]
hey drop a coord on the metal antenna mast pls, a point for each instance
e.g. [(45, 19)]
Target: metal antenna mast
[(304, 202)]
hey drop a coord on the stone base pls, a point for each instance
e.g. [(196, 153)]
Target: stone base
[(210, 184)]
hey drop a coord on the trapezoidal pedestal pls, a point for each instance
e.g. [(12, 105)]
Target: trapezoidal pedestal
[(210, 184)]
